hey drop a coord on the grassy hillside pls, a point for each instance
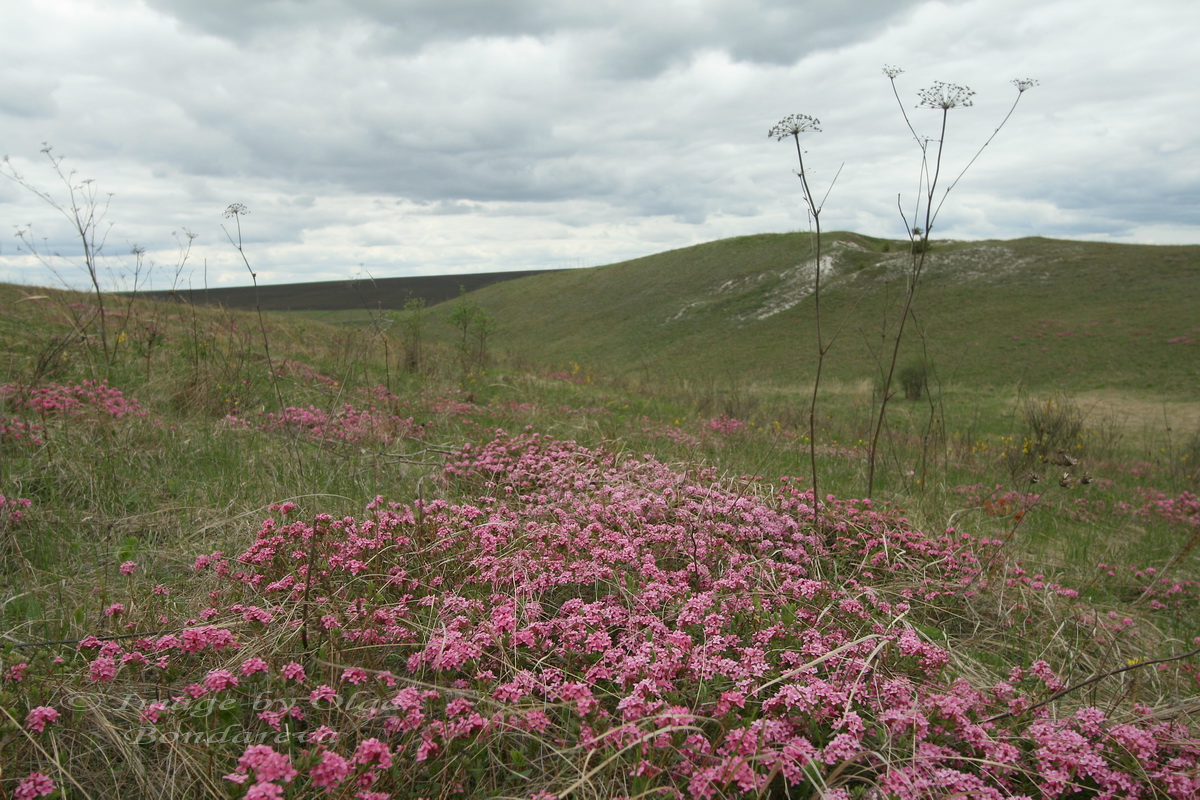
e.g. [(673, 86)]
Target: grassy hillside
[(1045, 314), (247, 556), (1048, 314)]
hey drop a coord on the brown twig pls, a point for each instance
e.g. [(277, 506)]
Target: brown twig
[(1091, 680)]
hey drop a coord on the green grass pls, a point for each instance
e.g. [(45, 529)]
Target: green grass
[(589, 356), (1075, 316)]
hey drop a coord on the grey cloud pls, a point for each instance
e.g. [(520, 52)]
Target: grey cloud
[(568, 131), (627, 38), (30, 96)]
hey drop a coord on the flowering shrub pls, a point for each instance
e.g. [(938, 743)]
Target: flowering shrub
[(1177, 598), (12, 510), (347, 424), (90, 399), (725, 424), (582, 618), (20, 433), (304, 372)]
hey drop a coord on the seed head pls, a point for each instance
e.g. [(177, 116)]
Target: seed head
[(891, 71), (1024, 84), (236, 210), (945, 96), (794, 125)]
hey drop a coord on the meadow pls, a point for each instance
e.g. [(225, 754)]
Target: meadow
[(576, 553)]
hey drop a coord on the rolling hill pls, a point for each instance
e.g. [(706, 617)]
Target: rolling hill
[(1045, 313), (1038, 312)]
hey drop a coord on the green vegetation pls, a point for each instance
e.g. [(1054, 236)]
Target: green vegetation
[(1036, 511), (1050, 314)]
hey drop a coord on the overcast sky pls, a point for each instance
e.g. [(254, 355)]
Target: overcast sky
[(413, 137)]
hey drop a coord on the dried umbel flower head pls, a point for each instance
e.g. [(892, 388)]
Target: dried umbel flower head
[(1024, 84), (945, 96), (236, 210), (794, 125), (891, 71)]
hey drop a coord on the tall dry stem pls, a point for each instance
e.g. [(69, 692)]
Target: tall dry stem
[(942, 98), (792, 126)]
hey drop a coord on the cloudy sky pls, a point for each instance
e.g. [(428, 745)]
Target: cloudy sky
[(412, 137)]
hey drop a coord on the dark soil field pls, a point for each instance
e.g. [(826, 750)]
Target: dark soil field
[(338, 295)]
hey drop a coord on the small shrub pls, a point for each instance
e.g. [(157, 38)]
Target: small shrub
[(474, 328), (1053, 432), (914, 379), (1055, 424)]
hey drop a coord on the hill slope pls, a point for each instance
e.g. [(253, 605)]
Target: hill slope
[(1077, 315)]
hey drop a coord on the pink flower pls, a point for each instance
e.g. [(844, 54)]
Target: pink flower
[(330, 771), (128, 567), (322, 692), (37, 718), (114, 609), (153, 712), (373, 750), (323, 734), (267, 764), (265, 791), (293, 672), (219, 679), (102, 670), (355, 676), (426, 748), (253, 665), (581, 693), (16, 673), (34, 785)]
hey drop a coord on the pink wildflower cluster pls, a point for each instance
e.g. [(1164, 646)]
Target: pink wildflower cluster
[(1182, 509), (347, 424), (580, 592), (726, 425), (38, 718), (34, 785), (12, 510), (268, 769), (1177, 597), (672, 433), (20, 433), (453, 407), (298, 369), (695, 636), (89, 398)]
